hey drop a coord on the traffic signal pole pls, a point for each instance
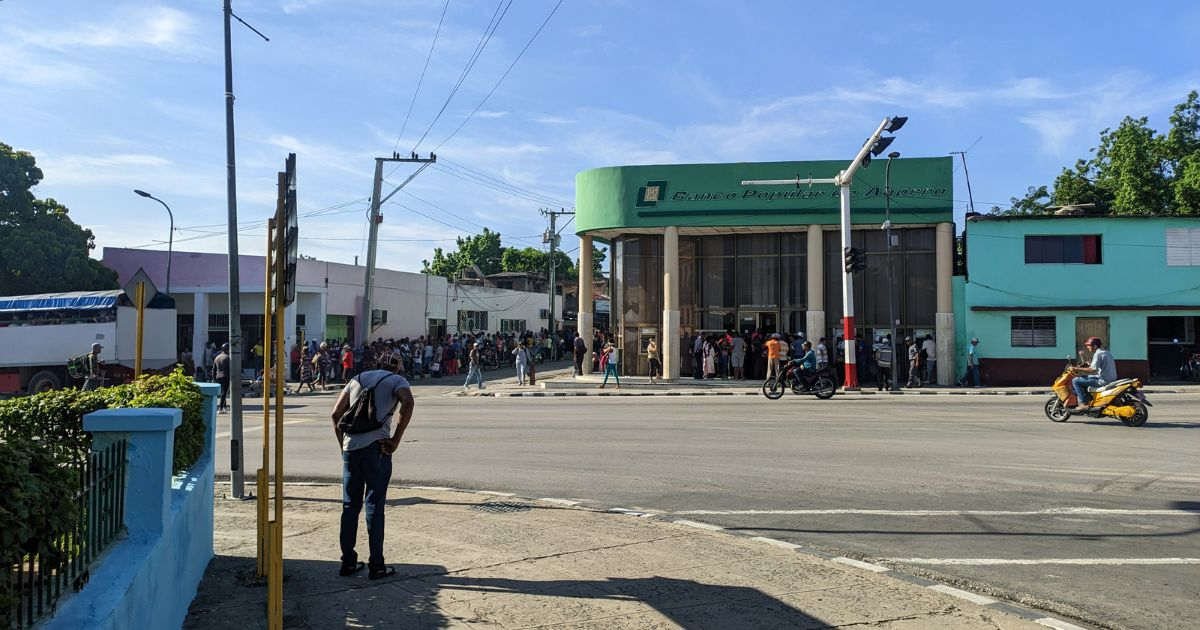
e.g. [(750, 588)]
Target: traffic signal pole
[(874, 145)]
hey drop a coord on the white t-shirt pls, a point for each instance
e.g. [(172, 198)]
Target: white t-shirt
[(386, 400), (930, 349)]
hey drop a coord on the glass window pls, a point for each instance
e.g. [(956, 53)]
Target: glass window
[(919, 288), (793, 279), (716, 246), (918, 239), (1063, 249), (758, 281), (717, 282), (793, 243), (687, 246), (757, 244)]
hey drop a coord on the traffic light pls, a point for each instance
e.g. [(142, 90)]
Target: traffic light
[(855, 259)]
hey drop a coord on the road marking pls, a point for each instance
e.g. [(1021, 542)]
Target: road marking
[(560, 501), (971, 597), (495, 494), (1057, 624), (1032, 561), (249, 428), (713, 528), (1048, 511), (862, 565), (778, 543), (1095, 472)]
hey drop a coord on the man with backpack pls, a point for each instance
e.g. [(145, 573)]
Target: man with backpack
[(362, 422)]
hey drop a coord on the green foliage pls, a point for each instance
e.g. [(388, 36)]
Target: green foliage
[(37, 506), (1134, 170), (41, 249), (43, 446), (484, 251)]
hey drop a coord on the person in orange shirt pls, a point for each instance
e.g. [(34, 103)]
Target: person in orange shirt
[(774, 352)]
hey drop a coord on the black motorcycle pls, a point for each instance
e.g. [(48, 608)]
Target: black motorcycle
[(822, 383)]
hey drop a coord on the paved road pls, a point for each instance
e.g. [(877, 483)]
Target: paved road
[(986, 493)]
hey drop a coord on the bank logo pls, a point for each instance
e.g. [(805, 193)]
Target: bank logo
[(652, 193)]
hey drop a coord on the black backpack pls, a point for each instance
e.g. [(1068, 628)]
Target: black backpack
[(361, 416)]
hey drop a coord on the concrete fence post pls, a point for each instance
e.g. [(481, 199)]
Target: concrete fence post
[(151, 436)]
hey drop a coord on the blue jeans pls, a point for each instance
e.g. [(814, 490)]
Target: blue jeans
[(611, 368), (474, 374), (1081, 383), (366, 469)]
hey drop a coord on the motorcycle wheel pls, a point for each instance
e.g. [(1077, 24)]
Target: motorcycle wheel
[(1056, 411), (772, 389), (1140, 416), (824, 388)]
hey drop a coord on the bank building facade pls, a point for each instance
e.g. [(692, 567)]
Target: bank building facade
[(695, 252)]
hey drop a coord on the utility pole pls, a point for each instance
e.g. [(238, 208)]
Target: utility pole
[(970, 197), (551, 236), (236, 472), (376, 219)]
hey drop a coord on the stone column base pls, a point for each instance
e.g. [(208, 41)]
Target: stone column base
[(946, 353), (584, 320), (669, 346), (815, 321)]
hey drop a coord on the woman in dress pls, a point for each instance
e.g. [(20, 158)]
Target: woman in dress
[(710, 358)]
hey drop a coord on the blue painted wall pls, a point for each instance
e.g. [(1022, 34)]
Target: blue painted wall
[(1133, 272), (148, 579)]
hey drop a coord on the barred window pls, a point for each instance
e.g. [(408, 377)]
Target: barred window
[(472, 321), (512, 325), (1034, 332)]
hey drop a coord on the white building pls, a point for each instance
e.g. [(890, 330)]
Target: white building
[(328, 300)]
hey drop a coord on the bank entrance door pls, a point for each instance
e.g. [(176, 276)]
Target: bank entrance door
[(766, 322)]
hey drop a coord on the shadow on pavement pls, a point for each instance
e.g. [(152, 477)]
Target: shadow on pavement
[(423, 596)]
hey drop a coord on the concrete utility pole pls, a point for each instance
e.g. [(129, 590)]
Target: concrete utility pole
[(551, 236), (376, 219), (874, 145), (236, 473)]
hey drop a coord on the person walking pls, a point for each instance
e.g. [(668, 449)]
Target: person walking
[(521, 358), (367, 461), (221, 373), (473, 371), (972, 364), (737, 356), (93, 377), (652, 359), (306, 373), (929, 348), (822, 354), (610, 364)]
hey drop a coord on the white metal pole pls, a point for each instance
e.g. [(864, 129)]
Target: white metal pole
[(851, 377)]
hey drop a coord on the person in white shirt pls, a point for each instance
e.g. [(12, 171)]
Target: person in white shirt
[(930, 349), (822, 355)]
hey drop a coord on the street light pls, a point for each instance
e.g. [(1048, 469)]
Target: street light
[(887, 225), (170, 237)]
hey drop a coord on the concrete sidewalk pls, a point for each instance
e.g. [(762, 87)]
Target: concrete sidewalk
[(476, 559)]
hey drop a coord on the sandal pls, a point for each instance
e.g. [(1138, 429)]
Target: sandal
[(381, 573), (351, 569)]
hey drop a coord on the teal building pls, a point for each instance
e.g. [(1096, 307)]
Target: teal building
[(1037, 286)]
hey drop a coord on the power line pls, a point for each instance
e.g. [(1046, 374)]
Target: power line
[(502, 77), (483, 42), (422, 79), (502, 187)]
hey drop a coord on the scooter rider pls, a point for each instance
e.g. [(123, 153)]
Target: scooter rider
[(1103, 369)]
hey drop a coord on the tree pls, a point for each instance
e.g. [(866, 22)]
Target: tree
[(41, 249), (1134, 170), (481, 250)]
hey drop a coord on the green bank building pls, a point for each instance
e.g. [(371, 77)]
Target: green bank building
[(694, 251)]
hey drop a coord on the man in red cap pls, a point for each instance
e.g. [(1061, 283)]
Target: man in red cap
[(1103, 369)]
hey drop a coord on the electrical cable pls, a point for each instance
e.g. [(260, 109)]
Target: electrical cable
[(483, 42), (536, 198), (502, 77), (448, 163), (422, 79)]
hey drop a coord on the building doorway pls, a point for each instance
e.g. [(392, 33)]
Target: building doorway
[(1171, 340), (1090, 327), (766, 322)]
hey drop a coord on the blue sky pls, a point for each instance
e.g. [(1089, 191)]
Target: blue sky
[(112, 96)]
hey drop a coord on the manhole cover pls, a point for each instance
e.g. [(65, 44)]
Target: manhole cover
[(500, 507)]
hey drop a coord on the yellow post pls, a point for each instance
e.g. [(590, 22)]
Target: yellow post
[(276, 577), (141, 319), (263, 546)]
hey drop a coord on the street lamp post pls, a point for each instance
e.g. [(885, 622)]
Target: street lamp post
[(170, 237), (887, 224)]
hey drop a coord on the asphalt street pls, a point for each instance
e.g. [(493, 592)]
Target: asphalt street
[(1089, 519)]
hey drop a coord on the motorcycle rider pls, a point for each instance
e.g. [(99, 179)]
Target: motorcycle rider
[(808, 363), (1103, 369)]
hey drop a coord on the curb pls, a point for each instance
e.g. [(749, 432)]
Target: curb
[(985, 601), (582, 392)]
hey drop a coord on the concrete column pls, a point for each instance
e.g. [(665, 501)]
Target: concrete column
[(669, 343), (151, 435), (815, 317), (585, 299), (200, 326), (944, 318), (316, 330)]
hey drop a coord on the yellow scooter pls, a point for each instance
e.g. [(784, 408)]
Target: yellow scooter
[(1120, 399)]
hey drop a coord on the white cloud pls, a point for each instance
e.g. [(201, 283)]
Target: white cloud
[(154, 27), (554, 120), (1055, 129), (483, 113)]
